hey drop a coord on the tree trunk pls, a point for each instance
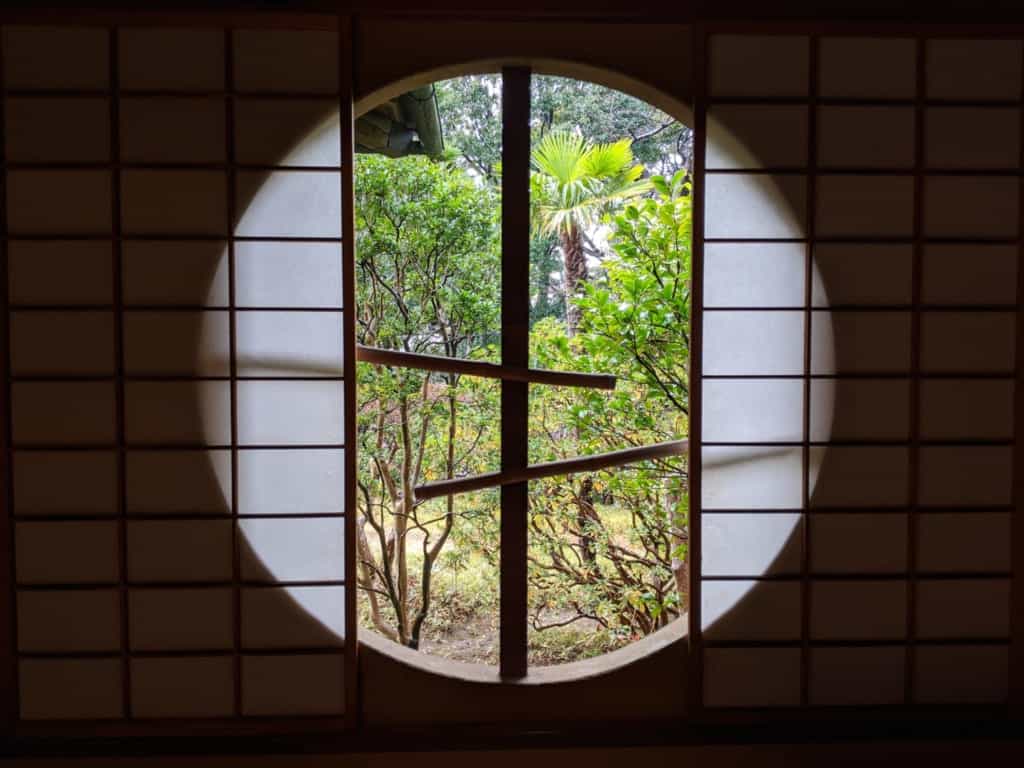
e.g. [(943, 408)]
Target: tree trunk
[(584, 514), (575, 277)]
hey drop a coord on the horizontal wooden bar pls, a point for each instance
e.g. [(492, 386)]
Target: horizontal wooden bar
[(550, 469), (486, 370)]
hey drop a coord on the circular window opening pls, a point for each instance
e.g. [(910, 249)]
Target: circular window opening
[(609, 297), (606, 521)]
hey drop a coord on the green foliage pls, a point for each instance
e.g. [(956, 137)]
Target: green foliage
[(638, 315), (575, 181)]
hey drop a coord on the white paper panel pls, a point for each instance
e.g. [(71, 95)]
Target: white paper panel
[(865, 137), (290, 481), (758, 65), (858, 610), (291, 132), (754, 274), (761, 206), (174, 130), (973, 69), (967, 409), (288, 275), (751, 477), (196, 412), (174, 202), (283, 618), (968, 608), (863, 409), (293, 685), (171, 58), (184, 273), (309, 549), (755, 343), (966, 475), (857, 676), (861, 274), (290, 413), (858, 543), (286, 60), (156, 619), (751, 677), (183, 687), (69, 621), (865, 206), (37, 130), (66, 552), (856, 476), (971, 542), (969, 274), (289, 344), (860, 342), (288, 204), (750, 544), (970, 206), (177, 343), (867, 67), (972, 138), (63, 413), (752, 410), (88, 483), (64, 202), (179, 550), (69, 688), (750, 610), (756, 136), (84, 269), (961, 674), (177, 482), (62, 343), (953, 342), (56, 57)]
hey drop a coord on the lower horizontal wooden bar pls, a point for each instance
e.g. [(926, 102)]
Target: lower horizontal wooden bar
[(549, 469), (486, 370)]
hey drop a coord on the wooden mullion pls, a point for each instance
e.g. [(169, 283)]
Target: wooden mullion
[(8, 578), (806, 583), (695, 681), (119, 370), (515, 351), (346, 101), (914, 444), (1016, 676)]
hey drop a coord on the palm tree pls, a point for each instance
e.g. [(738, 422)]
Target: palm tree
[(575, 181)]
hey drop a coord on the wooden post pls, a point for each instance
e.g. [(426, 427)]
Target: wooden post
[(515, 351)]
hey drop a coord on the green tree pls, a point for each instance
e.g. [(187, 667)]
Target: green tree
[(574, 183), (426, 259), (634, 324)]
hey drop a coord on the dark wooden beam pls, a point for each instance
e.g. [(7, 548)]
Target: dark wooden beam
[(379, 356), (590, 463), (515, 353)]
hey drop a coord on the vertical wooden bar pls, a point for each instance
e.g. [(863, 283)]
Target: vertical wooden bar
[(236, 544), (346, 100), (8, 607), (118, 295), (806, 584), (515, 343), (1016, 682), (914, 448), (696, 636)]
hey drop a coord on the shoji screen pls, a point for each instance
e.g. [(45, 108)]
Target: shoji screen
[(173, 244), (860, 297)]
